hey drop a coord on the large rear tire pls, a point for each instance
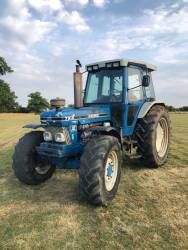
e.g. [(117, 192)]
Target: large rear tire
[(28, 167), (100, 169), (153, 134)]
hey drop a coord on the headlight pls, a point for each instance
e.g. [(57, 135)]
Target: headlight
[(106, 124), (59, 137), (47, 136)]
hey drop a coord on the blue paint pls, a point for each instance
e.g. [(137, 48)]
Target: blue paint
[(59, 150), (71, 113), (129, 130), (67, 156), (64, 163), (110, 170)]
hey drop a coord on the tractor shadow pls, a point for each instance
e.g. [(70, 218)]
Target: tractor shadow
[(132, 164), (62, 189)]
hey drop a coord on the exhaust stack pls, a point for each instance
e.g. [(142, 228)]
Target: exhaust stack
[(78, 100)]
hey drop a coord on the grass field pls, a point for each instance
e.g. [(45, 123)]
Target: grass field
[(150, 210)]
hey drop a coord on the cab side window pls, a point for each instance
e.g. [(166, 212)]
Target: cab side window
[(93, 88), (149, 90), (135, 90), (106, 86)]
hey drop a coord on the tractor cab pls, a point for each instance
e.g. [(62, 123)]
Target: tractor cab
[(124, 85)]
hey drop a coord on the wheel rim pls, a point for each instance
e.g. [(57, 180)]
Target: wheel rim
[(162, 137), (111, 169)]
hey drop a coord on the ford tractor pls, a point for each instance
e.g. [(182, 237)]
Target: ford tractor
[(116, 114)]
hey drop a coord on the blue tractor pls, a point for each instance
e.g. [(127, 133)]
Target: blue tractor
[(117, 115)]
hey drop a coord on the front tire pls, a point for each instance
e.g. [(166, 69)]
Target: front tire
[(153, 134), (100, 169), (28, 167)]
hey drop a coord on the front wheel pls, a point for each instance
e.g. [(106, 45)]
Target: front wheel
[(28, 167), (100, 169)]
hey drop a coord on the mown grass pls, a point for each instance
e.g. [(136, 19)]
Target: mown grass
[(149, 211)]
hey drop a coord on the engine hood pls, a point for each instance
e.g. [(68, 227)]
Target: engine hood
[(66, 116)]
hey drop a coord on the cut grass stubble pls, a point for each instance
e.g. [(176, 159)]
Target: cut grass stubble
[(149, 211)]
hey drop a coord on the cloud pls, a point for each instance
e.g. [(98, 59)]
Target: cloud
[(165, 20), (99, 3), (96, 3), (172, 55), (56, 50), (162, 30), (20, 29), (81, 2), (46, 5), (74, 20), (16, 29)]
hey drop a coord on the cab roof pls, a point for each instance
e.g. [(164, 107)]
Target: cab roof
[(123, 62)]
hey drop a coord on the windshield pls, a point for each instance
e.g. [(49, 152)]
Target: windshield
[(104, 86)]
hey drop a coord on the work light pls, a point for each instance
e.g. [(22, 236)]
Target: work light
[(108, 65), (116, 64), (47, 136), (95, 67), (89, 68)]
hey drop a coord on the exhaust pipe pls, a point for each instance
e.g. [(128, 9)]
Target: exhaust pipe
[(78, 86)]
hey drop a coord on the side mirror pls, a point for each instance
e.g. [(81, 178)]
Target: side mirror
[(146, 81)]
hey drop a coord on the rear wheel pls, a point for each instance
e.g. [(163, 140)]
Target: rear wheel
[(100, 169), (153, 136), (28, 166)]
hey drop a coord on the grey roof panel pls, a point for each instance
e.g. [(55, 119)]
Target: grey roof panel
[(124, 62)]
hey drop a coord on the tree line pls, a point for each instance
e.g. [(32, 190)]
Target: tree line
[(181, 109), (8, 103), (36, 103)]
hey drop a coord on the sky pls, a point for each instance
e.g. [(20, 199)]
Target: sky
[(41, 40)]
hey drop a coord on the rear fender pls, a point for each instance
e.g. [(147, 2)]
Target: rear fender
[(147, 106)]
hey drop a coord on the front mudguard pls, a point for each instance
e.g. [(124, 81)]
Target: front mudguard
[(34, 126)]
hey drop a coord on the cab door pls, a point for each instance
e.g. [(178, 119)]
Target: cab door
[(134, 98)]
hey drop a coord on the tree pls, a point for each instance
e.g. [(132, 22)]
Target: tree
[(171, 108), (37, 103), (7, 97), (184, 108), (71, 105), (21, 109), (4, 68)]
